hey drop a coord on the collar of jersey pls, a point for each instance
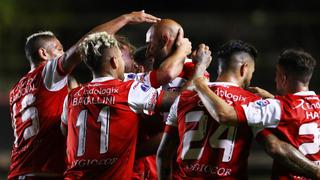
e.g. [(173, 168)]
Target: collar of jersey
[(305, 93), (222, 84), (102, 79)]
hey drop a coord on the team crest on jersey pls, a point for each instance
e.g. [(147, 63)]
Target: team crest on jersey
[(262, 103), (145, 87), (131, 76)]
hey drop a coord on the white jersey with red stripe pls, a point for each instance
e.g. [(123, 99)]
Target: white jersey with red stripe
[(208, 150), (148, 164), (36, 106), (102, 122), (176, 84), (294, 118)]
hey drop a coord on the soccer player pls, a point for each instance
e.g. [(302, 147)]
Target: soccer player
[(101, 117), (127, 51), (293, 115), (169, 48), (36, 102), (205, 149)]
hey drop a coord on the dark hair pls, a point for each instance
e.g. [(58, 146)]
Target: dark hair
[(228, 49), (297, 63), (140, 55), (34, 42)]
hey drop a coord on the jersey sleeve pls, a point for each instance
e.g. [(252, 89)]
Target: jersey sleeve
[(146, 78), (54, 77), (173, 114), (142, 98), (262, 113), (64, 119)]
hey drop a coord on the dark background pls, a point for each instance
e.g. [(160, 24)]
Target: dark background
[(270, 25)]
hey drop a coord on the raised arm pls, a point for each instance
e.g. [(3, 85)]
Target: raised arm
[(217, 107), (71, 58), (173, 65), (289, 156)]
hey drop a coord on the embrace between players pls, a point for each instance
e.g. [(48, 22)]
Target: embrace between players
[(158, 102)]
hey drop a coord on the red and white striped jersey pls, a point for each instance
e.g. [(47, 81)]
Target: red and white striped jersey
[(36, 105), (208, 150), (294, 118), (102, 122)]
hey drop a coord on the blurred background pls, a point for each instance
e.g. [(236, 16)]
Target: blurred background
[(270, 25)]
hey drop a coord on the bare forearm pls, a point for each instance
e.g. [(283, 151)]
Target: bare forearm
[(296, 161), (167, 149), (164, 169), (217, 107), (167, 100), (72, 57), (170, 68), (288, 156), (149, 147)]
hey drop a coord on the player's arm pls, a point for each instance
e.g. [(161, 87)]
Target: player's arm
[(64, 120), (71, 59), (202, 59), (149, 147), (260, 92), (289, 156), (217, 107), (169, 143), (172, 66), (165, 155), (165, 100)]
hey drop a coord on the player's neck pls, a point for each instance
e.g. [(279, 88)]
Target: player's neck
[(228, 78), (297, 86), (34, 65), (105, 74)]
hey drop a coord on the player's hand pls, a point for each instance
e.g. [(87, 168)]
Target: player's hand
[(183, 44), (137, 17), (260, 92), (202, 56)]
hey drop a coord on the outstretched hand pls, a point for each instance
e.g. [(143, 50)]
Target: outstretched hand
[(137, 17)]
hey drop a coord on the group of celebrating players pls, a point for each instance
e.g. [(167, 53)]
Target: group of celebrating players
[(153, 114)]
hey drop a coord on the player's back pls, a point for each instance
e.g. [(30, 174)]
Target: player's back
[(207, 149), (102, 131), (299, 125), (39, 145)]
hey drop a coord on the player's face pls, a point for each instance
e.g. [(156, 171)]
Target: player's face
[(280, 80), (154, 46), (54, 48), (249, 73), (121, 64), (128, 59)]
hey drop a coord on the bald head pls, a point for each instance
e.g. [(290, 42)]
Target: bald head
[(161, 39), (166, 26)]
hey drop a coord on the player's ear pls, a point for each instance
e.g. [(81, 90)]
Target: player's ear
[(114, 62), (43, 54), (243, 69), (164, 39), (140, 68)]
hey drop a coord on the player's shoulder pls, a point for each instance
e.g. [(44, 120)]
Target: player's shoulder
[(188, 96)]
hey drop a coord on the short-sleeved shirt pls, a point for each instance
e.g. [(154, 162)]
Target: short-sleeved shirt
[(294, 118), (208, 150), (102, 122), (36, 105)]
